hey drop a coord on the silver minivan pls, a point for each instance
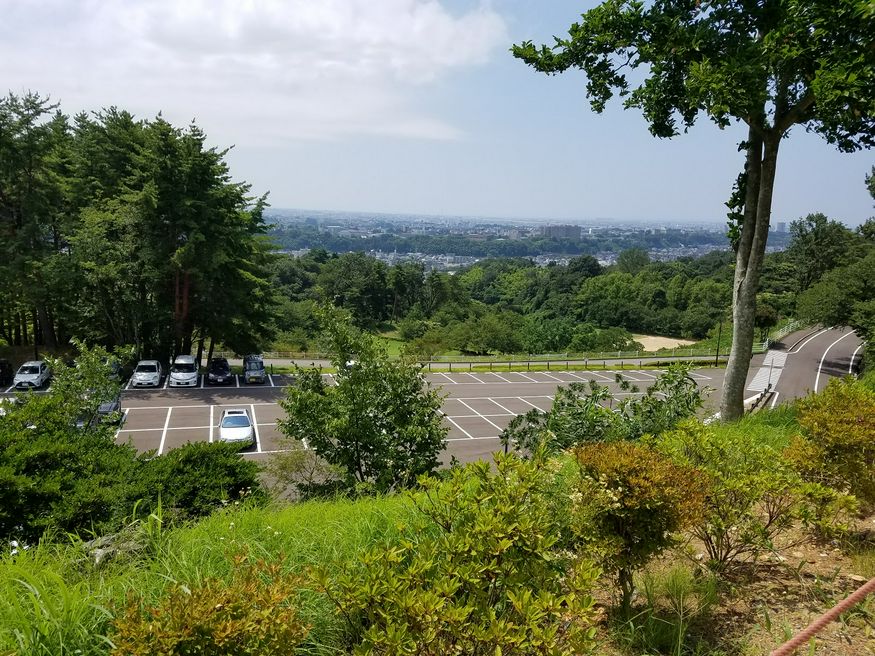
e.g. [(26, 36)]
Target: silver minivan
[(183, 372)]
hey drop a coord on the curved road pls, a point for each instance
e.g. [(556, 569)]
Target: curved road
[(805, 361)]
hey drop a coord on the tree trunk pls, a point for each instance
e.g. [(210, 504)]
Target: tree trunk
[(761, 164), (48, 330), (210, 351), (200, 349)]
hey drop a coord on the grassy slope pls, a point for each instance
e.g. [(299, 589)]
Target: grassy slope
[(58, 602), (53, 601)]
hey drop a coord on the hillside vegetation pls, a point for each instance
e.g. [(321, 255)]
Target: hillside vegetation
[(705, 540)]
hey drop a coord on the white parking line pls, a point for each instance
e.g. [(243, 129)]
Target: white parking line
[(164, 432), (459, 427), (500, 377), (774, 400), (502, 407), (527, 377), (441, 373), (270, 380), (529, 403), (9, 389), (212, 407), (603, 377), (549, 375), (481, 415), (121, 423), (644, 373), (203, 379), (255, 426), (237, 379), (130, 380), (167, 381)]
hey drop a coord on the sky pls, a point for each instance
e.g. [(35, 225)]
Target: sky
[(400, 106)]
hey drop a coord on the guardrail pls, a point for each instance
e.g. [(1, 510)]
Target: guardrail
[(541, 358)]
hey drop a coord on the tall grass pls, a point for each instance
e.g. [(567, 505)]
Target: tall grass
[(54, 600)]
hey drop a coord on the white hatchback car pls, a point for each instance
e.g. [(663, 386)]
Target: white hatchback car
[(236, 426), (32, 375), (147, 373)]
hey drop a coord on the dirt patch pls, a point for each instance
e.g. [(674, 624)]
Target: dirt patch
[(655, 342)]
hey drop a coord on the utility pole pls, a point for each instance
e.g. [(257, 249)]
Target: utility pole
[(717, 354)]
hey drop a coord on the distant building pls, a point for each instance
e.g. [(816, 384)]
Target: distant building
[(782, 226), (561, 231)]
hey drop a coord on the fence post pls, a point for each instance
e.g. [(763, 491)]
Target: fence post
[(567, 365), (490, 365), (528, 365), (548, 365), (451, 366)]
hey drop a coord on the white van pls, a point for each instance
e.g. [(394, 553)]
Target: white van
[(183, 372)]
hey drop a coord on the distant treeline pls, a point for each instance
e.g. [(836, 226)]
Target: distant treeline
[(298, 237)]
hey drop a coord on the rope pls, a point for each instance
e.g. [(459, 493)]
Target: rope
[(817, 625)]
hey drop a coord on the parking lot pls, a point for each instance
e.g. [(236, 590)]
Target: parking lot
[(477, 407)]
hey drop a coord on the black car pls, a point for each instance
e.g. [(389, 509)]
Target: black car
[(108, 412), (7, 373), (219, 372)]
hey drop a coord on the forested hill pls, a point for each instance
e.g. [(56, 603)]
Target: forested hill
[(295, 236)]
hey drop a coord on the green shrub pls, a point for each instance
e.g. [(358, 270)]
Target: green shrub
[(199, 477), (631, 500), (55, 477), (478, 572), (837, 445), (254, 613), (752, 494)]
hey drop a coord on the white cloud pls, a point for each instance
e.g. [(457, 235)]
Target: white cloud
[(253, 70)]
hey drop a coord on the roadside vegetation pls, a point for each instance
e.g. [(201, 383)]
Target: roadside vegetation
[(699, 539)]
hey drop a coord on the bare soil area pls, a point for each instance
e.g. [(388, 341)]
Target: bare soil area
[(655, 342)]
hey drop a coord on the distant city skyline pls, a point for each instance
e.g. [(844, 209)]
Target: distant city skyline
[(408, 107)]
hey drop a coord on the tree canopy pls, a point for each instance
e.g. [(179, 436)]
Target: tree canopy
[(769, 65)]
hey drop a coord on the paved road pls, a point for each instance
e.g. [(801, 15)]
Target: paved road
[(804, 362), (477, 407)]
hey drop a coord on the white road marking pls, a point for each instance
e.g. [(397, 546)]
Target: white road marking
[(502, 407), (270, 380), (203, 380), (854, 355), (255, 427), (823, 359), (480, 415), (164, 432), (528, 377), (127, 387), (774, 400), (529, 403), (549, 375), (167, 381), (237, 380), (474, 377), (501, 377), (121, 423), (459, 427), (606, 378), (441, 373), (802, 346), (9, 389), (644, 373), (212, 407)]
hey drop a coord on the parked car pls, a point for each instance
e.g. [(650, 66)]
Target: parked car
[(219, 372), (253, 369), (7, 373), (183, 373), (109, 412), (32, 375), (147, 373), (236, 426)]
